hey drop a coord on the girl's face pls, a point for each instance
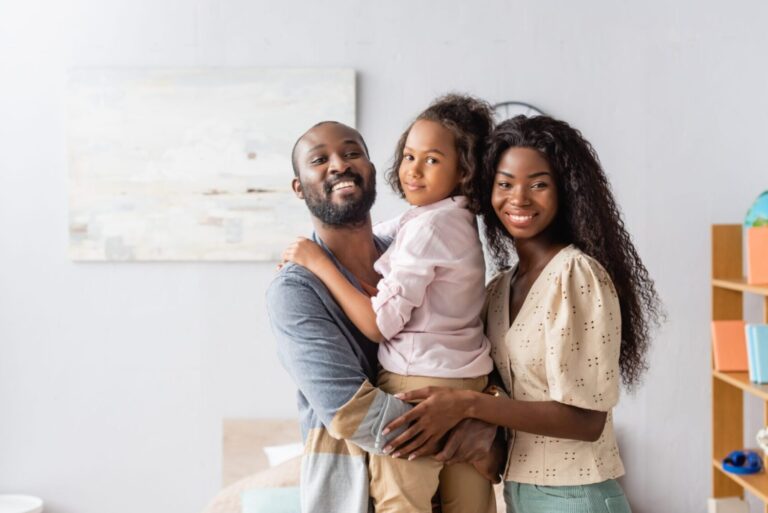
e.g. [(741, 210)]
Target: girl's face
[(524, 193), (429, 170)]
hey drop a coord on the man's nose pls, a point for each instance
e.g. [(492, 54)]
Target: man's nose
[(336, 164)]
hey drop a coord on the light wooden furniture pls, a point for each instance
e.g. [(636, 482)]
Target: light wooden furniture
[(728, 289)]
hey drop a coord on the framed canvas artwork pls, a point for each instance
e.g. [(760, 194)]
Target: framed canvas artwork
[(192, 164)]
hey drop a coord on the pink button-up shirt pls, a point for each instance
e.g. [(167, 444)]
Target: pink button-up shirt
[(429, 299)]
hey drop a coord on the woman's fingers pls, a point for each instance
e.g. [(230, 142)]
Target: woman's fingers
[(411, 446), (402, 439), (401, 421)]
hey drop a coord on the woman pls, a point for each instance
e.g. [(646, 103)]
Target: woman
[(565, 323)]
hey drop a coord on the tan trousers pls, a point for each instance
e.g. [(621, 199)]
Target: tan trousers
[(402, 486)]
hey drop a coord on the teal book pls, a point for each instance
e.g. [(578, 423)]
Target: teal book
[(757, 352)]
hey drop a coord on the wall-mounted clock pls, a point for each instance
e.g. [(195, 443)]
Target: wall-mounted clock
[(507, 110)]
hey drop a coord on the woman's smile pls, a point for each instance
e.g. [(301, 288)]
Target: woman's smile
[(524, 193)]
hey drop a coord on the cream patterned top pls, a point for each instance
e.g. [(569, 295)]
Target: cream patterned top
[(563, 346)]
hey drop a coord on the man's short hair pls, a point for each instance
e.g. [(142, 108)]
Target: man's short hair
[(295, 164)]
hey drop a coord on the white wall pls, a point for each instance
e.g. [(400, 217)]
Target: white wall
[(114, 377)]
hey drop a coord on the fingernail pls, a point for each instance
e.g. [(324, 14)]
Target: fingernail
[(399, 396), (386, 430), (411, 457), (396, 455), (387, 450)]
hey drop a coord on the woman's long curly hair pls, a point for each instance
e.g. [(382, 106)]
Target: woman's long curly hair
[(587, 217), (470, 120)]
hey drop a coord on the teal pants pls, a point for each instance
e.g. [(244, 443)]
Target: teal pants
[(605, 497)]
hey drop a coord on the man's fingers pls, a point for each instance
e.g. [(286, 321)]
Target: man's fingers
[(451, 445)]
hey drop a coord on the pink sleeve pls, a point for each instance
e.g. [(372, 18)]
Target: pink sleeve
[(413, 263)]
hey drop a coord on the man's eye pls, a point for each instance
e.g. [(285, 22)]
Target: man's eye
[(317, 160), (352, 154)]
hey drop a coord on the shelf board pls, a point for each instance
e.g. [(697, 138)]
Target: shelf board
[(741, 285), (741, 380), (757, 484)]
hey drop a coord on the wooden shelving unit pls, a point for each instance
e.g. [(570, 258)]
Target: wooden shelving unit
[(728, 289)]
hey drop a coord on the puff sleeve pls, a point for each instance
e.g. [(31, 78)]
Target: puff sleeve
[(583, 337)]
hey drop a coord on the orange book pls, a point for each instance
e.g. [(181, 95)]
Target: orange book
[(729, 346), (757, 255)]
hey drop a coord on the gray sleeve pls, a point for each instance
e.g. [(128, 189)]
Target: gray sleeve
[(317, 354)]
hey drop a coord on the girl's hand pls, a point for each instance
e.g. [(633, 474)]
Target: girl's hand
[(439, 411), (306, 253)]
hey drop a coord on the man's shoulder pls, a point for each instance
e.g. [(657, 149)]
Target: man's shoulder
[(293, 281)]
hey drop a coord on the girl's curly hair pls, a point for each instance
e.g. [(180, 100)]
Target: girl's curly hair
[(470, 120), (587, 217)]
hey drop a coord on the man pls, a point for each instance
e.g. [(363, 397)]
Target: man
[(333, 364)]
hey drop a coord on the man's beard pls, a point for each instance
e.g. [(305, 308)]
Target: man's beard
[(350, 213)]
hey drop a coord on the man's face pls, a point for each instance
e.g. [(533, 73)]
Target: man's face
[(336, 178)]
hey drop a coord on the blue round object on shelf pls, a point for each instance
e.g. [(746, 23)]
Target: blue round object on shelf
[(743, 462), (758, 213)]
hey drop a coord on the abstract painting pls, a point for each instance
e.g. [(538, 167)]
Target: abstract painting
[(192, 164)]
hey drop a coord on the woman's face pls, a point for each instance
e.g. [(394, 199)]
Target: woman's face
[(429, 170), (524, 193)]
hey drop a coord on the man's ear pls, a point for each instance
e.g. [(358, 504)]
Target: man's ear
[(297, 190)]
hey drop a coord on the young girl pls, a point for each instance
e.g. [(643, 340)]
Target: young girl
[(425, 311), (566, 323)]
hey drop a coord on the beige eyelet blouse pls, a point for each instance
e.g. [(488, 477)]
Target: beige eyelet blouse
[(563, 346)]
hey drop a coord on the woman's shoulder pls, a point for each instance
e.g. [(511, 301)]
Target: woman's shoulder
[(576, 267), (494, 284)]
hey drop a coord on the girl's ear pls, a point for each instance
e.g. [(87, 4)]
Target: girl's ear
[(297, 189)]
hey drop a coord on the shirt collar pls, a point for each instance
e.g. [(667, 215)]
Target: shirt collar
[(450, 202)]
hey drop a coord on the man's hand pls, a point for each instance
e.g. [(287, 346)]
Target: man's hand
[(474, 441)]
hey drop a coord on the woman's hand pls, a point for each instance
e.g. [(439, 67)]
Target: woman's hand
[(440, 410), (305, 253)]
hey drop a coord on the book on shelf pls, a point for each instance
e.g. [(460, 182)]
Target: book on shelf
[(757, 352), (757, 255), (729, 346)]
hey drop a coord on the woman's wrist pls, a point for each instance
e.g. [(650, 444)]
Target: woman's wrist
[(470, 400)]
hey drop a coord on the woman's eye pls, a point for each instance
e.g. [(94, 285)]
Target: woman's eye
[(503, 185), (407, 157), (539, 185)]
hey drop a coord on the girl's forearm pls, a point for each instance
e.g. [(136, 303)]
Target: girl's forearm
[(355, 304), (548, 418)]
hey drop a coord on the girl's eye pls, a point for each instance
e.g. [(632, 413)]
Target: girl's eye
[(431, 160), (407, 157)]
